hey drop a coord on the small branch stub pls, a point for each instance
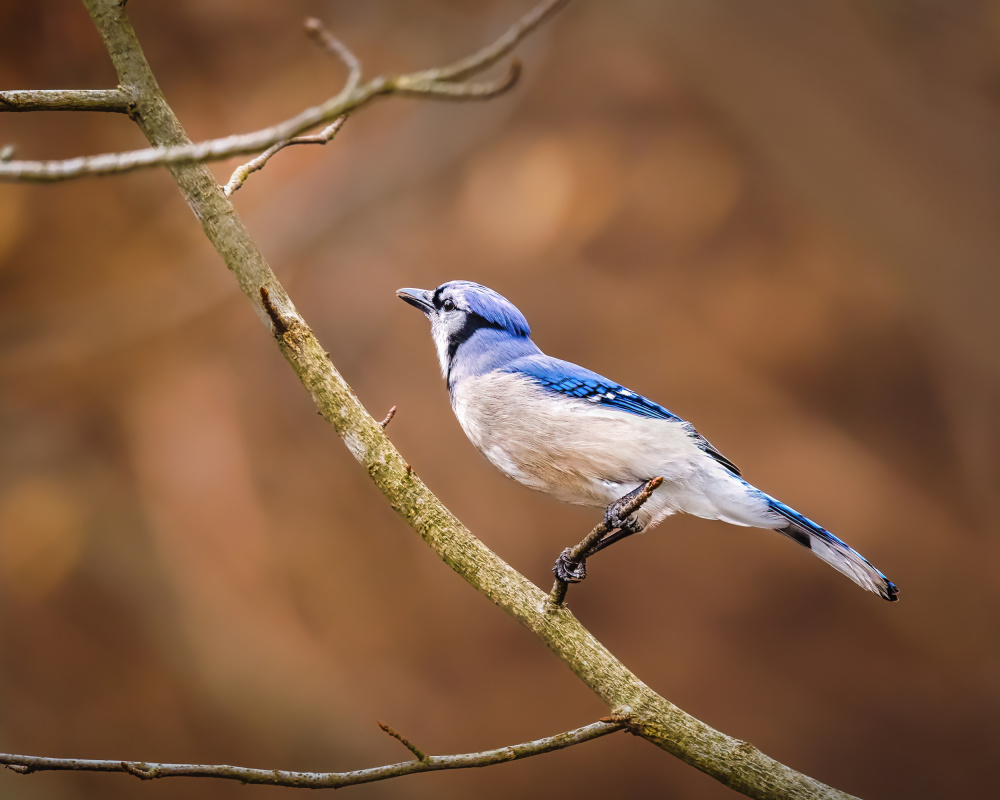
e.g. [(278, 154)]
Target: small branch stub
[(277, 321), (419, 754), (388, 418)]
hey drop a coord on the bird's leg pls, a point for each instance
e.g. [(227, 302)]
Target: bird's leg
[(571, 566), (620, 521), (632, 525)]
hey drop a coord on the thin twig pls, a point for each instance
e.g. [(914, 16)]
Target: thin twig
[(241, 173), (388, 418), (426, 83), (443, 90), (316, 31), (111, 100), (488, 56), (558, 593), (315, 780), (402, 86), (419, 754)]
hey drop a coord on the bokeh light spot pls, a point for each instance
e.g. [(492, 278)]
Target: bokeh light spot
[(41, 535)]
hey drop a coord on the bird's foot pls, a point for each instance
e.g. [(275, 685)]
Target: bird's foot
[(567, 570), (613, 517)]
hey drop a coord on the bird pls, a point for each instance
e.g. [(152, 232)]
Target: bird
[(571, 433)]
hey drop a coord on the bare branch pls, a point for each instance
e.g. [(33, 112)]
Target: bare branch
[(211, 150), (316, 780), (488, 56), (316, 31), (111, 100), (319, 34), (417, 752), (442, 90), (243, 172), (427, 84)]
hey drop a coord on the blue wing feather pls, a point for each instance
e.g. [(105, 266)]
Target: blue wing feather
[(572, 380)]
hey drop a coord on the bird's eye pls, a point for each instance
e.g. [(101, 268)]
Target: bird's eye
[(448, 305)]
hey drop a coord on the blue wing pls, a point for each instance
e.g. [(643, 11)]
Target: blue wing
[(572, 380)]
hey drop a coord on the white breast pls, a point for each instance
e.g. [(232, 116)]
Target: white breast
[(578, 451)]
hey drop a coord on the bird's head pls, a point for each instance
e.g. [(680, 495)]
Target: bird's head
[(458, 310)]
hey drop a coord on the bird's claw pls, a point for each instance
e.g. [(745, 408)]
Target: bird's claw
[(614, 520), (567, 570), (628, 523)]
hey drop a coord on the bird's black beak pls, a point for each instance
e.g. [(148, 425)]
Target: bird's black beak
[(418, 298)]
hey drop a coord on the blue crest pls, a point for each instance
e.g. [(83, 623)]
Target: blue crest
[(484, 302)]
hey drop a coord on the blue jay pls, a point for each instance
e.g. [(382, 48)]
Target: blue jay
[(571, 433)]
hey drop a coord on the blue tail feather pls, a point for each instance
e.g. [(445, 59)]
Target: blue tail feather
[(838, 554)]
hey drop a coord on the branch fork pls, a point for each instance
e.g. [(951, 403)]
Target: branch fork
[(444, 83)]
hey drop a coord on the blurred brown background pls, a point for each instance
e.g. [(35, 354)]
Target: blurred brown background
[(780, 220)]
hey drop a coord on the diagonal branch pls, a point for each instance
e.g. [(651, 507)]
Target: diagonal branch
[(316, 780), (112, 100), (431, 84)]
